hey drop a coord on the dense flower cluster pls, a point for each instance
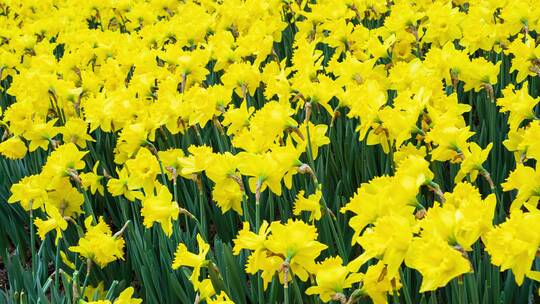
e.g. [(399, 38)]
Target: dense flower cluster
[(152, 73)]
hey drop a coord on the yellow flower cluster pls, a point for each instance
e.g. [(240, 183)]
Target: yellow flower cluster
[(152, 72), (125, 297)]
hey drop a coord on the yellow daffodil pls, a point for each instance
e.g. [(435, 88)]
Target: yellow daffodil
[(119, 186), (92, 181), (66, 160), (333, 278), (527, 182), (311, 204), (182, 257), (30, 192), (143, 170), (377, 283), (159, 207), (519, 103), (473, 158), (99, 244), (295, 242), (126, 297), (437, 261), (65, 198), (55, 221), (222, 298), (514, 243), (254, 242), (388, 240), (41, 134), (75, 131), (13, 148)]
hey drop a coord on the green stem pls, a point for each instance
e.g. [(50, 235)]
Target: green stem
[(218, 135), (286, 281), (81, 297), (257, 217), (88, 269), (109, 295), (163, 176), (175, 194), (337, 237), (246, 216), (390, 158), (202, 222), (87, 203), (198, 134), (32, 240), (154, 151), (257, 227), (56, 264), (493, 189), (487, 177)]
